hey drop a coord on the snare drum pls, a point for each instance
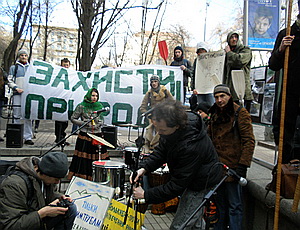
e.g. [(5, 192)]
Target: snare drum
[(110, 173), (129, 155)]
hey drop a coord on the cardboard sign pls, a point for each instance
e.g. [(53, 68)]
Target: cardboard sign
[(92, 201), (116, 214)]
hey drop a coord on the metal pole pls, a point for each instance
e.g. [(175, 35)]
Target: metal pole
[(207, 5)]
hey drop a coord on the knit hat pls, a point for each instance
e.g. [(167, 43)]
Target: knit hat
[(178, 48), (154, 77), (54, 164), (222, 88), (202, 45), (22, 52)]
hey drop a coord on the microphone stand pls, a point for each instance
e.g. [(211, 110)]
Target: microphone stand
[(206, 198), (62, 141), (140, 141)]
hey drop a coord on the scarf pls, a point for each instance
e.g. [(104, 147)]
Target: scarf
[(88, 104)]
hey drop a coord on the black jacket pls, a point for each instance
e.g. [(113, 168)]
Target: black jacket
[(191, 158), (276, 60)]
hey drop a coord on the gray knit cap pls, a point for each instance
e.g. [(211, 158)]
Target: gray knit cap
[(222, 88), (22, 52), (54, 164)]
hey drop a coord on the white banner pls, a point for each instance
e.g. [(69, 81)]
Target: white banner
[(52, 92), (209, 71)]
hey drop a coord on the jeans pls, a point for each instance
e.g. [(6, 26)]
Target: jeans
[(189, 202), (230, 206), (62, 222)]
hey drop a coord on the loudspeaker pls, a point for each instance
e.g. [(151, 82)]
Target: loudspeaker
[(14, 135), (110, 134)]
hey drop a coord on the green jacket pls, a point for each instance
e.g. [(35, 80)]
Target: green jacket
[(238, 59), (15, 215)]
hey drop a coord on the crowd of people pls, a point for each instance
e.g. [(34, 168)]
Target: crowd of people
[(196, 144)]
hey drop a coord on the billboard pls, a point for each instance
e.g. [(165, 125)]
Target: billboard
[(263, 23)]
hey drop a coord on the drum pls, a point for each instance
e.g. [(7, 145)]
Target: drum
[(129, 156), (110, 173), (159, 177)]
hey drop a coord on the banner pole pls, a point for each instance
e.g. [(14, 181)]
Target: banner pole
[(282, 118)]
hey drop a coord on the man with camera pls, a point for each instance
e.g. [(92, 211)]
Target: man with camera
[(28, 199)]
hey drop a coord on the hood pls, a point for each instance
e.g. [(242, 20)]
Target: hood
[(239, 40), (181, 57), (27, 165)]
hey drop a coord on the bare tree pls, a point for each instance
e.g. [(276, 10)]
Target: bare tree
[(20, 15)]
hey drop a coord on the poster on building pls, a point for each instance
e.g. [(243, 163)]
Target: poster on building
[(268, 103), (92, 201), (209, 71), (52, 92), (263, 23)]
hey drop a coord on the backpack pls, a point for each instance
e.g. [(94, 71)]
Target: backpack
[(8, 168)]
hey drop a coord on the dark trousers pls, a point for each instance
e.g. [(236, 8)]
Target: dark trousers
[(60, 130), (291, 113)]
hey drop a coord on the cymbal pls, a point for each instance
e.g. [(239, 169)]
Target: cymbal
[(101, 140), (127, 125)]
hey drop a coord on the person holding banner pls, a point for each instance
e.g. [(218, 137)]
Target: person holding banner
[(15, 82), (87, 150), (238, 57), (192, 160), (276, 63), (185, 66), (61, 126)]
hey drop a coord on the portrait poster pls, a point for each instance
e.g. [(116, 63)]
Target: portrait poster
[(268, 103), (263, 23), (209, 71)]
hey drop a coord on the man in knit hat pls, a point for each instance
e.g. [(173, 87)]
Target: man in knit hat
[(185, 66), (31, 201), (157, 93), (230, 129), (15, 82), (292, 108)]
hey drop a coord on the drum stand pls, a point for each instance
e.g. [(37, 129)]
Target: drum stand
[(206, 198), (140, 141), (62, 141)]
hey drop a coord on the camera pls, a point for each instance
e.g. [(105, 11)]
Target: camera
[(64, 203)]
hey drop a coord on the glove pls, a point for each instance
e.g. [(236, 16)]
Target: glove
[(241, 170)]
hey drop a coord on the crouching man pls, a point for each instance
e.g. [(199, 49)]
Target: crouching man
[(28, 199)]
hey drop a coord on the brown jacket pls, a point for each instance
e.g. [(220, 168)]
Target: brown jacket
[(151, 98), (234, 141)]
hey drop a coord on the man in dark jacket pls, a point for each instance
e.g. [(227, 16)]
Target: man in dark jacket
[(38, 210), (185, 66), (191, 158), (231, 131), (292, 108)]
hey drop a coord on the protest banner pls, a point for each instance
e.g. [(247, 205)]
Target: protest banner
[(115, 217), (52, 92), (209, 71), (92, 200)]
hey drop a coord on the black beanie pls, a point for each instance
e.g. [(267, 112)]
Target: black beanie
[(54, 164)]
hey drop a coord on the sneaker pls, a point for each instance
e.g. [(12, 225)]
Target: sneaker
[(28, 142), (1, 139), (35, 131), (67, 143)]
